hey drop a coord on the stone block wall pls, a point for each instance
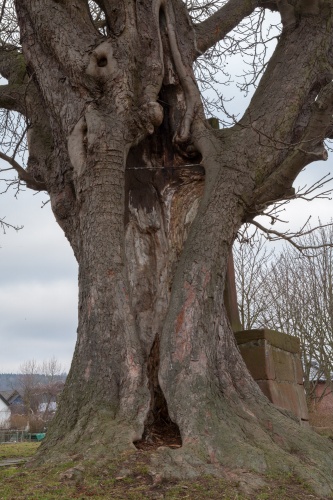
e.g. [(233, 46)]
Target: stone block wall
[(273, 359)]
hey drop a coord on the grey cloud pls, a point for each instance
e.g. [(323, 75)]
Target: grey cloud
[(38, 286)]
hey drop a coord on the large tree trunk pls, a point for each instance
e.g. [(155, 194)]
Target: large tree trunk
[(152, 230)]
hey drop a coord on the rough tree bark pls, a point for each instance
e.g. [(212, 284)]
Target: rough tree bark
[(111, 121)]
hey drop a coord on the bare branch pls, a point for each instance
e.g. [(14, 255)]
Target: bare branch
[(23, 174), (304, 193), (309, 149), (252, 40), (3, 9), (5, 225), (216, 27), (273, 235)]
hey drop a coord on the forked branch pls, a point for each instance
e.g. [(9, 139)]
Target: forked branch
[(24, 176), (318, 190), (217, 26), (310, 148), (5, 225), (274, 235)]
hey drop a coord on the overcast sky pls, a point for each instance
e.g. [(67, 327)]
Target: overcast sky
[(38, 288), (38, 272)]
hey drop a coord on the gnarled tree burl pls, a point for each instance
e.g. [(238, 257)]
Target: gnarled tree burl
[(150, 198)]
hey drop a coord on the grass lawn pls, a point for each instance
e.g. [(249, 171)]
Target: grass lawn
[(129, 479), (17, 450)]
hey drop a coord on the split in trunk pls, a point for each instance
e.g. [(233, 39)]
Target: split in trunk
[(151, 197)]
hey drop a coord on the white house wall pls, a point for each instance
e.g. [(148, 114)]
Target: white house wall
[(4, 415)]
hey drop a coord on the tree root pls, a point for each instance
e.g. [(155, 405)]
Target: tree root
[(273, 445), (309, 459)]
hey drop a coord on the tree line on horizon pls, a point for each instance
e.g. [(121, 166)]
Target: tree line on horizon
[(38, 387)]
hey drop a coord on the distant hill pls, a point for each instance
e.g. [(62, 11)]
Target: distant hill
[(11, 381)]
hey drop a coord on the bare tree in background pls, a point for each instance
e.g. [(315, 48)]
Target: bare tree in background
[(292, 292), (252, 262), (51, 387), (303, 306), (28, 388), (151, 197), (39, 386)]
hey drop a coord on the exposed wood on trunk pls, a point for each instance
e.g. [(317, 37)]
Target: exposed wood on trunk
[(151, 197)]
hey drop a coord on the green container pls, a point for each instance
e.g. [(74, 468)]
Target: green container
[(37, 437)]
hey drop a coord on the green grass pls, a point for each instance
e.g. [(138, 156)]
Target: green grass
[(128, 479), (17, 450)]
